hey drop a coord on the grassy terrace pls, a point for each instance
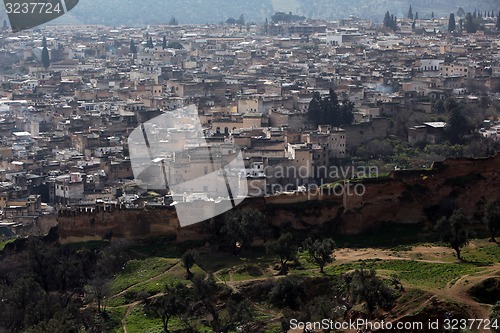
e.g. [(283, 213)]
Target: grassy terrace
[(5, 242), (137, 271), (424, 269)]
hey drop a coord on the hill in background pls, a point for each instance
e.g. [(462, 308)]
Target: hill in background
[(132, 12), (375, 9)]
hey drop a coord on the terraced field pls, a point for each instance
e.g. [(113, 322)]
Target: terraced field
[(428, 273)]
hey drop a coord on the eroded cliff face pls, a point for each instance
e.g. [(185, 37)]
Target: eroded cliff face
[(420, 196), (78, 225), (403, 197)]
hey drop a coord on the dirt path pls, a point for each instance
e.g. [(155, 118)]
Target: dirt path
[(130, 307), (424, 252), (458, 292), (234, 286), (455, 291), (153, 278)]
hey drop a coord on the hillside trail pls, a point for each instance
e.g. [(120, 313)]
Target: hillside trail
[(458, 292), (455, 291), (131, 306), (235, 285), (153, 278)]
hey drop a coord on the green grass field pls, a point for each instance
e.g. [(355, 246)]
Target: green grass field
[(420, 274), (5, 242), (138, 271), (425, 275), (482, 254), (139, 322)]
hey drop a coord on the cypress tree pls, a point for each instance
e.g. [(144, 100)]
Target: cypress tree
[(387, 20), (498, 22), (451, 23), (410, 13), (328, 111), (460, 12), (315, 109), (164, 43), (133, 48), (44, 42), (470, 23), (390, 21), (333, 116), (346, 115), (45, 58), (173, 21), (241, 20)]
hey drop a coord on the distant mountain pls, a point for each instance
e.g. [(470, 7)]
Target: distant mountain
[(143, 12), (375, 9)]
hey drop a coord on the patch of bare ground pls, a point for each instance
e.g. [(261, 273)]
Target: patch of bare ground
[(419, 253), (420, 306)]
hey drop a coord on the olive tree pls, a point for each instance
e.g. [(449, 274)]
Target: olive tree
[(453, 231), (188, 260), (320, 251), (285, 248), (492, 219)]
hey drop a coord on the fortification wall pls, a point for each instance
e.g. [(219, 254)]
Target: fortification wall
[(403, 197)]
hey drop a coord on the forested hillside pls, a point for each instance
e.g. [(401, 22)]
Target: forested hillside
[(375, 9), (129, 12)]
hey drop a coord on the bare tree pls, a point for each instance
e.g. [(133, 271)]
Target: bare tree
[(97, 290)]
